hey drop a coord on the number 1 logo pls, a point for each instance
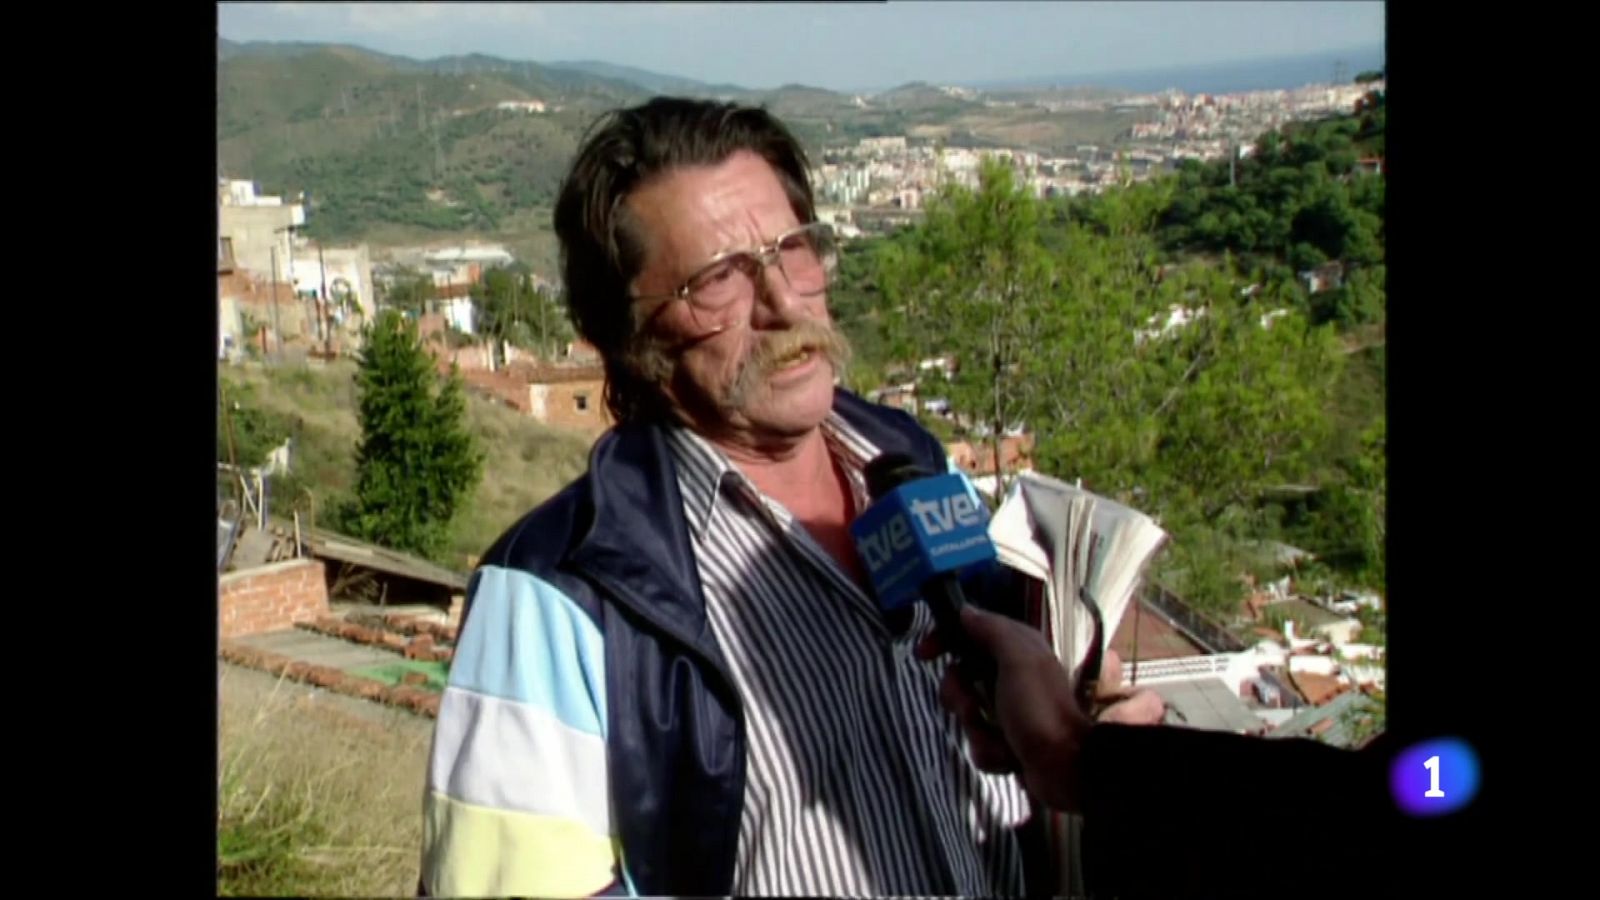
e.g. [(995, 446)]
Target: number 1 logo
[(1434, 778), (1432, 765)]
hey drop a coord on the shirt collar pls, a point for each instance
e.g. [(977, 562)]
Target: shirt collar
[(702, 469)]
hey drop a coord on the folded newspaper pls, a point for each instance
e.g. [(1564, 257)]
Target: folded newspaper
[(1087, 555), (1083, 548)]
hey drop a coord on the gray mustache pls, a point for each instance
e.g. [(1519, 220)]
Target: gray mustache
[(771, 347)]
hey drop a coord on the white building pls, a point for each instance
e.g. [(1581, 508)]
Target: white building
[(483, 254), (348, 275), (892, 144), (1176, 317), (258, 232), (243, 193), (941, 364), (459, 313)]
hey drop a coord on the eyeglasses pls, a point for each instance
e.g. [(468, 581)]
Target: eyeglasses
[(807, 256)]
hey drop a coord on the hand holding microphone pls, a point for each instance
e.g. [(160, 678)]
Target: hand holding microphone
[(921, 534), (1039, 724)]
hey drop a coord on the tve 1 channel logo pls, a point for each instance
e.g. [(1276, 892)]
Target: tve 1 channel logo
[(1435, 777)]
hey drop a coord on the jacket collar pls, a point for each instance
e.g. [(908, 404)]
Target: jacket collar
[(638, 542)]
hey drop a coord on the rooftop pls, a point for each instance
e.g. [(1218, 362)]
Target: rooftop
[(1328, 722), (1317, 689), (1207, 704), (1157, 639), (558, 374), (328, 545)]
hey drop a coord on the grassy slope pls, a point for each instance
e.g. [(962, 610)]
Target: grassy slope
[(525, 463), (318, 794)]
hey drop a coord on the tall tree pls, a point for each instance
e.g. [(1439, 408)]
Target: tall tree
[(973, 284), (409, 291), (1173, 388), (512, 309), (416, 461)]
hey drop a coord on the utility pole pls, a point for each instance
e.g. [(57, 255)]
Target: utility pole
[(327, 318), (272, 282), (227, 421), (288, 230), (438, 158), (544, 341)]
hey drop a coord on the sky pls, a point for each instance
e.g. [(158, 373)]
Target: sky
[(838, 46)]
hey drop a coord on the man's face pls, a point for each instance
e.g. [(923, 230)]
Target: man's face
[(769, 373)]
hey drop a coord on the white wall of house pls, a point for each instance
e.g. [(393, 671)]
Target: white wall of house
[(256, 232), (459, 313), (1313, 665), (230, 329), (1340, 633), (348, 268)]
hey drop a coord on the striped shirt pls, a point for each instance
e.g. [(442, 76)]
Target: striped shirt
[(858, 782)]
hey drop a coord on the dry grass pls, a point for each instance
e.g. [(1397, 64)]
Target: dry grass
[(525, 462), (318, 795)]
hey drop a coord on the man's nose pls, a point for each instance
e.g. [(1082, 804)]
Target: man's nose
[(776, 302)]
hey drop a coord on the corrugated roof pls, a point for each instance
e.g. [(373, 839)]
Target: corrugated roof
[(327, 545), (1330, 722), (1317, 689)]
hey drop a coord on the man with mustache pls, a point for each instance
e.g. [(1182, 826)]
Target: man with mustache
[(672, 678)]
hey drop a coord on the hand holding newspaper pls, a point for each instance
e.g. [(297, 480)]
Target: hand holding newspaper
[(1084, 548), (1089, 553)]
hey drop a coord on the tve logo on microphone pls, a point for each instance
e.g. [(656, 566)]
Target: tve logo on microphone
[(921, 529)]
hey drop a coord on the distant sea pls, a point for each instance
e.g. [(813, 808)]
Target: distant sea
[(1284, 73)]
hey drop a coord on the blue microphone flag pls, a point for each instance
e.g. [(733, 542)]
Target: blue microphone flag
[(923, 528)]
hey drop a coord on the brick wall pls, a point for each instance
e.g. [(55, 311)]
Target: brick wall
[(977, 457), (578, 405), (273, 597), (502, 386), (291, 316), (429, 324), (473, 358), (570, 397)]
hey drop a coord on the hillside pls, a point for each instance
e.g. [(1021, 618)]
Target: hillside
[(393, 150), (525, 463), (650, 81), (378, 142)]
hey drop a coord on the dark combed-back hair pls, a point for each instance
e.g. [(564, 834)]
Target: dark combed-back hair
[(601, 253)]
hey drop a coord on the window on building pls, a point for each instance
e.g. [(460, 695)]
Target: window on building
[(582, 400)]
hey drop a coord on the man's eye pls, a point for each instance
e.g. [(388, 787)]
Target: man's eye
[(712, 277)]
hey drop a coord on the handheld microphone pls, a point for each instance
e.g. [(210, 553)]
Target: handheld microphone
[(922, 532)]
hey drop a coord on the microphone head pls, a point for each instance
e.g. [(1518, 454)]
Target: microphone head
[(890, 470), (920, 525)]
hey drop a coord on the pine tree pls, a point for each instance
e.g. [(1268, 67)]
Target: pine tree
[(416, 462)]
